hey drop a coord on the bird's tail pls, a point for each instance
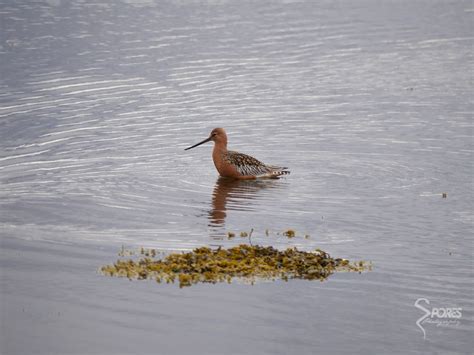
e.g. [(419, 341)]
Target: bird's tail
[(275, 172)]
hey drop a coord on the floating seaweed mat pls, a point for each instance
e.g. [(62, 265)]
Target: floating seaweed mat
[(249, 262)]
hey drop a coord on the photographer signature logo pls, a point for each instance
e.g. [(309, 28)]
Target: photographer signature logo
[(441, 316)]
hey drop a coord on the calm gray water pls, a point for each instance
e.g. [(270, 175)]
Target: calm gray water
[(368, 102)]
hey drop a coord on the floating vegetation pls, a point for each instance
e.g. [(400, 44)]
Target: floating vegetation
[(222, 265), (125, 252), (148, 252), (290, 233)]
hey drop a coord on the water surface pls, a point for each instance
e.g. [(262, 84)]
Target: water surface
[(368, 103)]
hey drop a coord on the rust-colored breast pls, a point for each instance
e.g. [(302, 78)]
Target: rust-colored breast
[(223, 165)]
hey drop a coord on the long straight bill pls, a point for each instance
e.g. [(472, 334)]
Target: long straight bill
[(204, 141)]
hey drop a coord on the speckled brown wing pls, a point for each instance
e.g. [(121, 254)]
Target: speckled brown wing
[(249, 166)]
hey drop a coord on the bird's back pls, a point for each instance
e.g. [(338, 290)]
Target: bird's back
[(249, 166)]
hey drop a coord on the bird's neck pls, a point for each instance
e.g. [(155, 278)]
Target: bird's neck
[(219, 150), (220, 147), (218, 156)]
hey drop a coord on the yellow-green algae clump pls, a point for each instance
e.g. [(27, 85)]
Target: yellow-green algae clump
[(248, 262)]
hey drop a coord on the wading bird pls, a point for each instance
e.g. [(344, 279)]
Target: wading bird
[(237, 165)]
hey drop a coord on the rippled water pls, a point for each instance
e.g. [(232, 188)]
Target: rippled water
[(368, 103)]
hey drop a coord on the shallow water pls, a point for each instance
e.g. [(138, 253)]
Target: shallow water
[(368, 103)]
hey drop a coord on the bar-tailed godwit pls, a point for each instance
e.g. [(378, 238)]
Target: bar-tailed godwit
[(237, 165)]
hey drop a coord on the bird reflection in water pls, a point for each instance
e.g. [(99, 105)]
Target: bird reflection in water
[(237, 195)]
